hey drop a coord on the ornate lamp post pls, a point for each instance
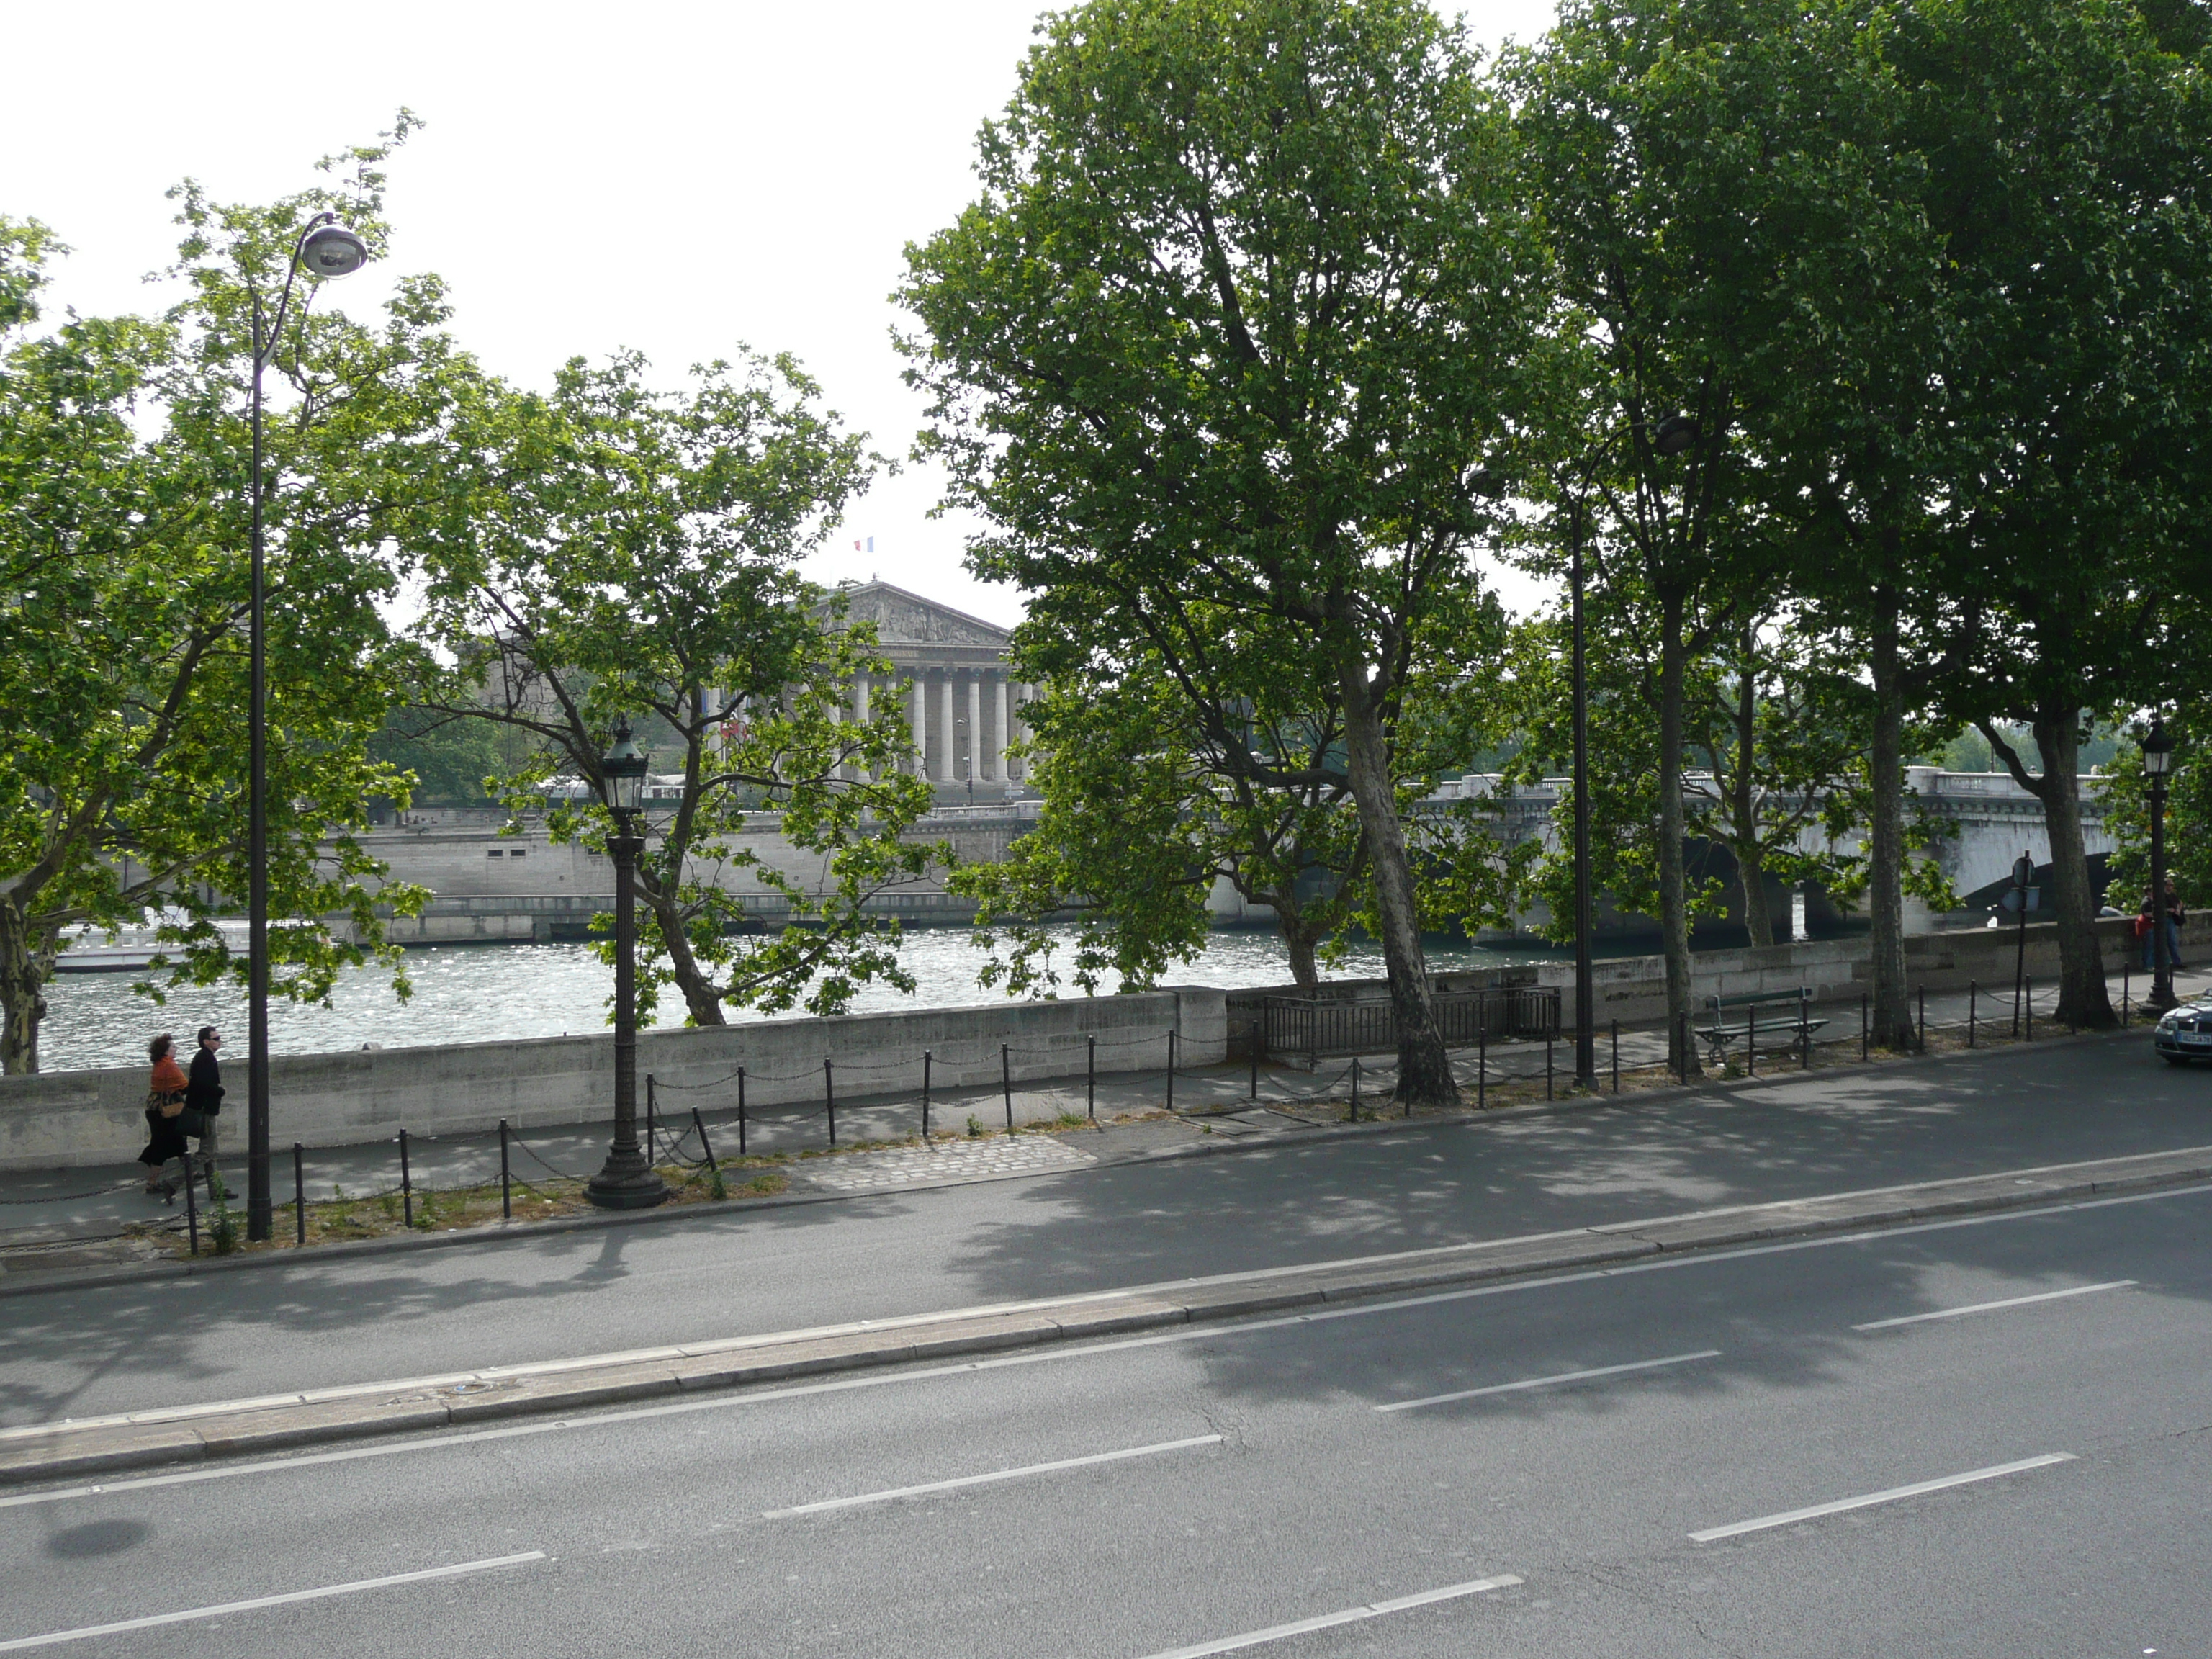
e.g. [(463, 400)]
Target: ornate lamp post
[(2158, 766), (1674, 435), (626, 1181), (327, 249)]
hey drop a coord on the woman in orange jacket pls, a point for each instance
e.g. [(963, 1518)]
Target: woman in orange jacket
[(165, 1099)]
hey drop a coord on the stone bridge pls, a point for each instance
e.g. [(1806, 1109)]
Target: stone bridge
[(1988, 820)]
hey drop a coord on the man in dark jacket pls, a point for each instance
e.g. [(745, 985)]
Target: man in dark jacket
[(204, 1091)]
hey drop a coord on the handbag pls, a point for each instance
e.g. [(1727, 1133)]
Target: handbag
[(166, 1105), (192, 1121)]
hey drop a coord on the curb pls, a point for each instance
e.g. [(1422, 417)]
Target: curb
[(16, 1283), (282, 1422)]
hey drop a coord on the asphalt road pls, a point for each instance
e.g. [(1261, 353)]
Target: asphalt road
[(128, 1347), (1244, 1479)]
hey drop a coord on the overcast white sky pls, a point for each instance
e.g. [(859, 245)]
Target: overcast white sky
[(671, 177)]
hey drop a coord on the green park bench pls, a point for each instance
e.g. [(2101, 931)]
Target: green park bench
[(1745, 1020)]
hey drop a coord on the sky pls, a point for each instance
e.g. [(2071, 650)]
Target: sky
[(674, 179)]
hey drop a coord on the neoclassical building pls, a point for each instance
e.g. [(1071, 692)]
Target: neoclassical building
[(950, 671)]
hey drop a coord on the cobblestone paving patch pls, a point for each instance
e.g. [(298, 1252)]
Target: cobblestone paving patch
[(1020, 1155)]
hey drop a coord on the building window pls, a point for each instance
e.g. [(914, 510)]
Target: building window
[(492, 852)]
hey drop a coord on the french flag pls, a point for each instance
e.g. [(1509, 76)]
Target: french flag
[(866, 545)]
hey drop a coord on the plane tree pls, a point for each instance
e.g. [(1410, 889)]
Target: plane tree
[(1233, 327), (628, 553), (123, 582)]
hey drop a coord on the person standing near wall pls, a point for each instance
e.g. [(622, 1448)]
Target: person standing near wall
[(165, 1100), (2176, 914), (205, 1093)]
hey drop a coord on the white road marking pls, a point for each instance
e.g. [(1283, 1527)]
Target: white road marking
[(992, 1479), (1349, 1616), (224, 1608), (1549, 1381), (1736, 1527), (1991, 1307), (1210, 1331)]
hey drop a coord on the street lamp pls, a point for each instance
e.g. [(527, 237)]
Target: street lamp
[(2158, 766), (1670, 437), (326, 249), (627, 1180)]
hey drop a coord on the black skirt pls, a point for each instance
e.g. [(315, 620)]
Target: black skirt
[(167, 1141)]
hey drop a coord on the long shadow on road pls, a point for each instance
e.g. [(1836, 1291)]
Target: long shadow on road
[(547, 1297)]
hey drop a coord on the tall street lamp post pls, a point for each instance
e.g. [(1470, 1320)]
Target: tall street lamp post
[(326, 249), (2158, 765), (1674, 435), (627, 1180)]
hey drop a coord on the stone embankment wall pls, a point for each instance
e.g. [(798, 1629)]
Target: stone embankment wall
[(61, 1118), (1631, 989)]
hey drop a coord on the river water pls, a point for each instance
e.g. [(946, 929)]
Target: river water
[(491, 992)]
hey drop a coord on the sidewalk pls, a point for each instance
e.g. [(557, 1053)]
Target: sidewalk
[(194, 1432), (43, 1213)]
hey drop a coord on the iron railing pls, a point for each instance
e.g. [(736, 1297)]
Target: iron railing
[(1292, 1026)]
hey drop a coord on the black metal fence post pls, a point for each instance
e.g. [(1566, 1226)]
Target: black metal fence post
[(1171, 1061), (1616, 1056), (2029, 1013), (1547, 1068), (1804, 1031), (2127, 970), (927, 1059), (1481, 1066), (1973, 994), (706, 1146), (299, 1193), (829, 1098), (1923, 1036), (1090, 1077), (1682, 1053), (1864, 1008), (652, 1135), (506, 1180), (1007, 1081), (1252, 1038), (1355, 1088), (1750, 1040), (406, 1181), (192, 1208), (741, 1111)]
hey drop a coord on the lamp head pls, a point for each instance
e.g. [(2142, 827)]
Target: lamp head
[(2157, 749), (1674, 435), (331, 250), (624, 768)]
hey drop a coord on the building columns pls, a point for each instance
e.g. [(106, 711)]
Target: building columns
[(1000, 731), (942, 769)]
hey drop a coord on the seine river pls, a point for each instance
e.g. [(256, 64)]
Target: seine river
[(488, 993)]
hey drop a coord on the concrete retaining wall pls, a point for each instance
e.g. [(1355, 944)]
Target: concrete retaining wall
[(66, 1118), (1634, 989)]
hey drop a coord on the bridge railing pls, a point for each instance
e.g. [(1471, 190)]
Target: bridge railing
[(1297, 1026)]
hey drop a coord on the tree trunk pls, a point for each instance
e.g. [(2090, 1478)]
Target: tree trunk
[(1673, 891), (2081, 997), (1300, 940), (22, 988), (702, 1000), (1892, 999), (1425, 1076), (1750, 860), (1751, 876)]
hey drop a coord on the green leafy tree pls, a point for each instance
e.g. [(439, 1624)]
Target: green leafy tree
[(2069, 184), (1140, 818), (629, 554), (1234, 329), (1715, 174), (124, 460)]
